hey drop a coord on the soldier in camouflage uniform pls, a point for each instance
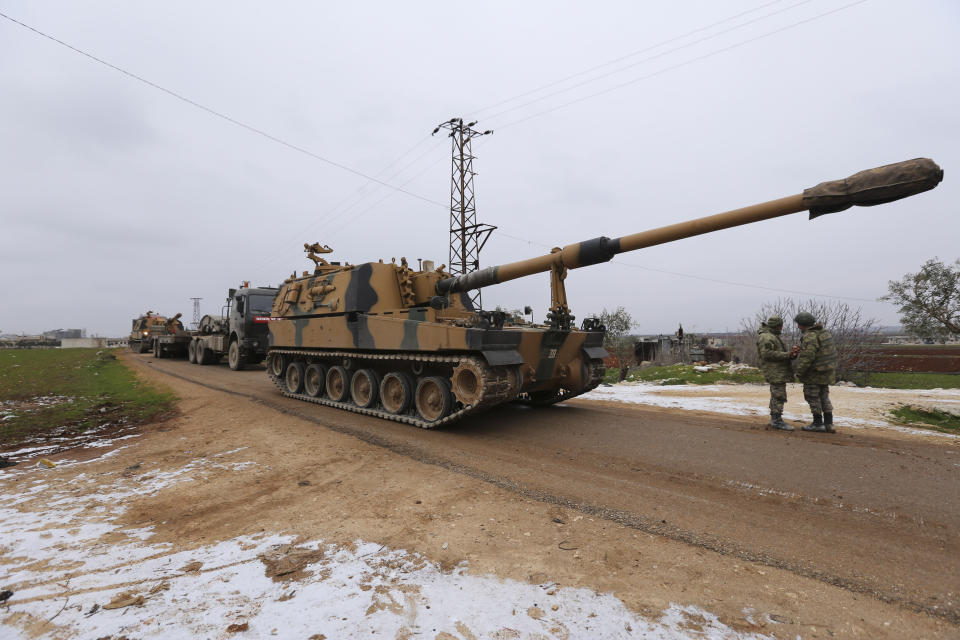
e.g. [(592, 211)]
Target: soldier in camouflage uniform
[(775, 365), (817, 370)]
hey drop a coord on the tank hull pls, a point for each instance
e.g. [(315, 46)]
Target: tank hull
[(482, 367)]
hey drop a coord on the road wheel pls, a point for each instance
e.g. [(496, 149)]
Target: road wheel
[(234, 357), (364, 388), (396, 392), (294, 377), (275, 364), (433, 398), (315, 380), (134, 346), (337, 387), (192, 352)]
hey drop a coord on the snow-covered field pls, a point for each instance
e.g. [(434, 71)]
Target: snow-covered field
[(75, 572), (853, 407)]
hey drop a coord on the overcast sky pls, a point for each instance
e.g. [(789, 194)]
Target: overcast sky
[(117, 197)]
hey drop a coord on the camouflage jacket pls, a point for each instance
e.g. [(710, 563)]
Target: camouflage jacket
[(817, 362), (774, 357)]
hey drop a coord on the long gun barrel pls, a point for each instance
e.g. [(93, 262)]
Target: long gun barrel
[(866, 188)]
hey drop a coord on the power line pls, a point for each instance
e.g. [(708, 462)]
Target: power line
[(220, 115), (704, 278), (605, 64), (623, 57), (382, 183), (386, 197), (359, 195), (647, 59), (679, 65)]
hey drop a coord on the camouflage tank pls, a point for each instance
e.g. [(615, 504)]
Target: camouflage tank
[(386, 340), (147, 327)]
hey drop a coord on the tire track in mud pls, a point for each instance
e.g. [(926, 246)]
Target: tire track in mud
[(646, 524)]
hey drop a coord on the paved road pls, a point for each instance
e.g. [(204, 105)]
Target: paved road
[(874, 515)]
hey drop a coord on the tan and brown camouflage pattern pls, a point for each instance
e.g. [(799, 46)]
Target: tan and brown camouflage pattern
[(383, 307)]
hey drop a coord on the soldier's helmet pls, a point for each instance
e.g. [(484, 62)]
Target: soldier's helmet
[(806, 319), (774, 321)]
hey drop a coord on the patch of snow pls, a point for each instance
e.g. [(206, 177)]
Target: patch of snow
[(227, 453), (60, 535), (652, 394)]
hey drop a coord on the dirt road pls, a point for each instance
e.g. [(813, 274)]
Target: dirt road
[(852, 535)]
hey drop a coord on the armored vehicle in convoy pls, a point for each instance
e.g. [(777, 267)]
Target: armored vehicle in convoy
[(148, 327), (386, 340), (240, 333)]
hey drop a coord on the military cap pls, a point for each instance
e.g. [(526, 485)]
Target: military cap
[(806, 319)]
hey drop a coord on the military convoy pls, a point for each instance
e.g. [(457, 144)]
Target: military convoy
[(386, 340), (240, 333)]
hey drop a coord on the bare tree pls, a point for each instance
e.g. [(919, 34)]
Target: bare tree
[(929, 300), (617, 339), (854, 335)]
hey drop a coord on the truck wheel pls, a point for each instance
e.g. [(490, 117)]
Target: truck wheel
[(203, 354), (315, 380), (156, 349), (144, 346), (433, 398), (365, 388), (396, 392), (294, 377), (192, 352), (234, 356), (337, 387)]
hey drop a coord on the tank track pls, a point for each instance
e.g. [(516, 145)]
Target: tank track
[(496, 383)]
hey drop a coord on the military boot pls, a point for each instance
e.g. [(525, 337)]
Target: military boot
[(776, 422), (828, 422), (816, 425)]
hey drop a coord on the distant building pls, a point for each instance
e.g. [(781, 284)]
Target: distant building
[(60, 334)]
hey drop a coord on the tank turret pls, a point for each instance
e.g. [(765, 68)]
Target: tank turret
[(384, 339)]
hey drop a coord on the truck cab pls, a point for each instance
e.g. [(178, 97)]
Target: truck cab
[(244, 306)]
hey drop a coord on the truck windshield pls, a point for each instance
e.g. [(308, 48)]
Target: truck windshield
[(260, 303)]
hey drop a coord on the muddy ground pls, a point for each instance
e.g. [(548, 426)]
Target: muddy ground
[(809, 535)]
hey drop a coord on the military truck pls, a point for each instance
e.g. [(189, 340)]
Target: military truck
[(390, 341), (148, 327), (240, 332), (173, 342)]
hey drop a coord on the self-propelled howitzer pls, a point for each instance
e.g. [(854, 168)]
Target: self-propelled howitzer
[(387, 340)]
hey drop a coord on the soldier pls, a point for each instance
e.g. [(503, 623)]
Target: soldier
[(817, 370), (775, 364)]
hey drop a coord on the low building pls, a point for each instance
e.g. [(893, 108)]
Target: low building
[(83, 343)]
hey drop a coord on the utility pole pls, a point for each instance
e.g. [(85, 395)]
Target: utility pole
[(467, 237), (196, 312)]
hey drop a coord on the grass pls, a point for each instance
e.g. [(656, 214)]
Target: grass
[(907, 380), (69, 391), (942, 421), (685, 374)]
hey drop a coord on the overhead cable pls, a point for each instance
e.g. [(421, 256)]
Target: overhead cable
[(679, 65), (220, 115)]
